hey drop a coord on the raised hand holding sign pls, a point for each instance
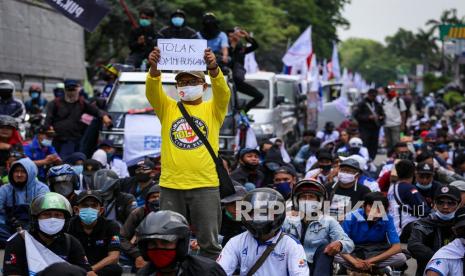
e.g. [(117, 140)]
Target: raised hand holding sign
[(182, 54)]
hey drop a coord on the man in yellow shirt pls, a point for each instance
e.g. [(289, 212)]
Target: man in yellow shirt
[(189, 182)]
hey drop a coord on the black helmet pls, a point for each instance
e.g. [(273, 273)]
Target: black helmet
[(269, 199), (209, 17), (106, 181), (6, 120), (308, 186), (164, 225)]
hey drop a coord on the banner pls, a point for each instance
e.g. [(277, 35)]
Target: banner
[(142, 137), (182, 54), (87, 13)]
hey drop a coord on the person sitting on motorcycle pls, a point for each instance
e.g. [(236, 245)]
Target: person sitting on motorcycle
[(64, 180), (36, 104), (10, 140), (8, 104), (41, 151), (59, 90)]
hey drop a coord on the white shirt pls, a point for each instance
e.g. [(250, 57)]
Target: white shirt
[(243, 251), (392, 112), (394, 210), (334, 136), (119, 167), (448, 260)]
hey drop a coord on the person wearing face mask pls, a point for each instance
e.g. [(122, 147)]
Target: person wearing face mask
[(128, 230), (118, 205), (163, 240), (59, 90), (9, 105), (16, 196), (431, 233), (69, 117), (355, 147), (50, 213), (42, 152), (377, 245), (406, 204), (217, 40), (104, 153), (188, 180), (328, 133), (448, 261), (284, 179), (142, 38), (320, 234), (249, 168), (141, 183), (230, 223), (36, 104), (346, 192), (400, 152), (90, 168), (323, 172), (427, 186), (64, 180), (76, 161), (177, 27), (395, 117), (99, 237)]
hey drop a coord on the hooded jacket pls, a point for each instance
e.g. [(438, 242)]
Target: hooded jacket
[(24, 196)]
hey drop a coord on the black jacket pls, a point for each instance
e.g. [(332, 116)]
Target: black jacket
[(238, 53), (128, 230), (362, 112), (230, 228), (243, 175), (428, 235), (183, 32), (150, 36), (124, 204), (191, 266)]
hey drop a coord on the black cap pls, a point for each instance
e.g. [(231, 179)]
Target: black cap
[(449, 192), (425, 168), (179, 12), (239, 194), (244, 151), (106, 142), (145, 164), (286, 169), (352, 163), (70, 84), (324, 155), (459, 218), (89, 193)]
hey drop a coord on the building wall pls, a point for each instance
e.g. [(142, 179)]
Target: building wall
[(37, 41)]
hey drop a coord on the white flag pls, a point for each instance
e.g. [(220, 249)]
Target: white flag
[(314, 75), (335, 63), (142, 137), (250, 64), (298, 53), (38, 256)]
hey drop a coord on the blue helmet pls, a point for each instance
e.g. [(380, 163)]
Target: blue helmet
[(62, 173)]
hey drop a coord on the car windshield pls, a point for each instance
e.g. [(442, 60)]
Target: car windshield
[(131, 96), (286, 89), (264, 87)]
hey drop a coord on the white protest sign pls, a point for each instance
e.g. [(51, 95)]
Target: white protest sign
[(182, 54)]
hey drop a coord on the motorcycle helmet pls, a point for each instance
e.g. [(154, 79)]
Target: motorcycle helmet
[(260, 199), (49, 201), (7, 88), (6, 120), (106, 181), (164, 225), (308, 186), (35, 87), (59, 176), (90, 167)]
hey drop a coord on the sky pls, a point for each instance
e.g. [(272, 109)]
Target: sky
[(376, 19)]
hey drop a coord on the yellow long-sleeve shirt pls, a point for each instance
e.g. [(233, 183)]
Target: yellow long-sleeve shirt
[(185, 161)]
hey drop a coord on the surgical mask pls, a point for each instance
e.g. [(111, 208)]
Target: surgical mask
[(51, 226), (109, 156), (144, 22), (177, 21), (78, 169), (403, 155), (63, 188), (35, 95), (445, 217), (190, 93), (162, 257), (46, 142), (424, 187), (154, 206), (309, 207), (345, 178), (284, 188), (88, 215)]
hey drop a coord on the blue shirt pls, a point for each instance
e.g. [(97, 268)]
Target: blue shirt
[(37, 152), (357, 228), (217, 43)]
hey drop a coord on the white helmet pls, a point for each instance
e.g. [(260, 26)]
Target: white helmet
[(355, 142), (362, 162), (7, 85)]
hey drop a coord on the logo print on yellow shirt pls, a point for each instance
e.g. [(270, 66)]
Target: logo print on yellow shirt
[(184, 137)]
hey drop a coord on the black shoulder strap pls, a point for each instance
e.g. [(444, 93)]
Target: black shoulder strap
[(197, 131), (264, 256), (68, 244)]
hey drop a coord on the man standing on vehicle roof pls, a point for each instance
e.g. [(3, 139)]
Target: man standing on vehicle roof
[(188, 181)]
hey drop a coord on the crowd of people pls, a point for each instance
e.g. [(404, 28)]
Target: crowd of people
[(321, 206)]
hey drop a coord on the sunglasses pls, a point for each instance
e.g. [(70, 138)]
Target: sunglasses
[(441, 202)]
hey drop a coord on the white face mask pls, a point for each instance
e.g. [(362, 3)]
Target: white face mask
[(345, 178), (51, 226), (190, 93), (445, 217)]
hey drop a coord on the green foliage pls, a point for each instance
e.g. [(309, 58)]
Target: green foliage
[(273, 23), (433, 83), (453, 98)]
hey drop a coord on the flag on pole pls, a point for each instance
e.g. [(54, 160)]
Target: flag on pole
[(336, 69), (314, 75), (324, 77), (298, 56)]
